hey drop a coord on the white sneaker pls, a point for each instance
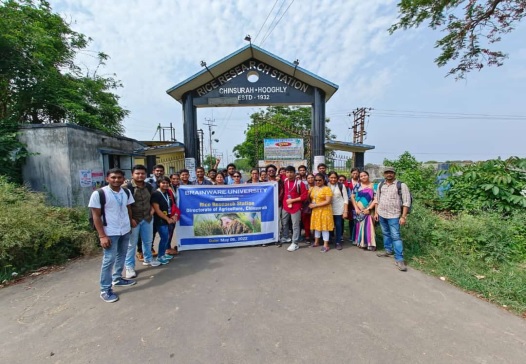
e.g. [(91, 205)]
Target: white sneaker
[(285, 240), (153, 263), (130, 273), (293, 247)]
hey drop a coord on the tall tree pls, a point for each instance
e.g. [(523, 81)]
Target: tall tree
[(274, 122), (39, 80), (471, 27)]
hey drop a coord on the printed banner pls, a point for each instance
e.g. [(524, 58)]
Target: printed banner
[(227, 216), (85, 178), (290, 148)]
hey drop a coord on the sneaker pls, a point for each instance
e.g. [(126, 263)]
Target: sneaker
[(339, 247), (401, 265), (168, 257), (153, 263), (285, 240), (154, 253), (123, 282), (109, 296), (130, 273), (139, 256), (293, 247), (385, 254), (163, 260)]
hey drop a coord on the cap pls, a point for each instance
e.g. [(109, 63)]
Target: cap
[(389, 169)]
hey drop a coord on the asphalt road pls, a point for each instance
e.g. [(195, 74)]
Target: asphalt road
[(256, 305)]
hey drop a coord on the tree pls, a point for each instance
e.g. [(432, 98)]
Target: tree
[(39, 80), (472, 26), (274, 122)]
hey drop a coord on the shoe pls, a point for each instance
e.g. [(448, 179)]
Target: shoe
[(314, 245), (154, 253), (285, 240), (293, 247), (139, 256), (168, 257), (172, 251), (385, 254), (339, 247), (263, 245), (163, 260), (130, 273), (401, 265), (153, 263), (325, 249), (123, 283), (279, 244), (109, 296)]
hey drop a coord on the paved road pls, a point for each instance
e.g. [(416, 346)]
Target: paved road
[(256, 305)]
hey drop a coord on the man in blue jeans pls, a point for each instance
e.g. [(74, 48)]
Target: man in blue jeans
[(393, 206), (114, 228)]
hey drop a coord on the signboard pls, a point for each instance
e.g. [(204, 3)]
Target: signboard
[(227, 216), (85, 178), (289, 148), (318, 159), (282, 163), (189, 163), (253, 83)]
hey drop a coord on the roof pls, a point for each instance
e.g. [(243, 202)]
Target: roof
[(347, 147), (246, 53)]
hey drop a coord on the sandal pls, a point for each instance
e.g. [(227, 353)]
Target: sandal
[(325, 249)]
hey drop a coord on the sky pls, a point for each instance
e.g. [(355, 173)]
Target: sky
[(156, 44)]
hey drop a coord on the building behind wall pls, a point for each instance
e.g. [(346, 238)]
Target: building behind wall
[(69, 161)]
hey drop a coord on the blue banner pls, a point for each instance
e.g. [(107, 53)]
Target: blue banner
[(227, 216)]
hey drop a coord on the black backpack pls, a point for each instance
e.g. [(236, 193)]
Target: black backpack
[(399, 187), (102, 198)]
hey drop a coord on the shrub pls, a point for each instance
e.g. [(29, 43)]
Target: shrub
[(34, 234)]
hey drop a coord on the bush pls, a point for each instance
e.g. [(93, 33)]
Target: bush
[(34, 234)]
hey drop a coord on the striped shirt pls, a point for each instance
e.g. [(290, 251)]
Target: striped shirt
[(389, 204)]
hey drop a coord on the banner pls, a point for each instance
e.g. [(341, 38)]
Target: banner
[(227, 216), (289, 148)]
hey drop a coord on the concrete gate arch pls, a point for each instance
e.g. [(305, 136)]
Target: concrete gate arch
[(252, 76)]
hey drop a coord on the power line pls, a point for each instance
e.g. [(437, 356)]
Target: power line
[(262, 25), (275, 25)]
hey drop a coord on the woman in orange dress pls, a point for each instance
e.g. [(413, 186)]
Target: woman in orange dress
[(322, 220)]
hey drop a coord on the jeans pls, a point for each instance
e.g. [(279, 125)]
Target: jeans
[(338, 228), (164, 234), (285, 223), (391, 233), (113, 260), (145, 230)]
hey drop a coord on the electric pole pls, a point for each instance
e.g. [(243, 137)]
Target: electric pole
[(358, 126), (210, 124)]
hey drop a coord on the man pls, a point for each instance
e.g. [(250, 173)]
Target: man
[(185, 177), (113, 227), (393, 206), (201, 180), (158, 172), (302, 170), (142, 221), (322, 169), (231, 168), (294, 194), (351, 184), (271, 176)]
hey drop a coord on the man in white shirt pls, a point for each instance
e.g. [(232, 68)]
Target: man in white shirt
[(111, 210)]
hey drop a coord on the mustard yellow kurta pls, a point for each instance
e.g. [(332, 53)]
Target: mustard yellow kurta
[(321, 218)]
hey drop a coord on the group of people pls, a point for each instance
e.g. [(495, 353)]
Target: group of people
[(127, 214)]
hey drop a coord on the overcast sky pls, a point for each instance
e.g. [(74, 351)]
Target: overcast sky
[(155, 44)]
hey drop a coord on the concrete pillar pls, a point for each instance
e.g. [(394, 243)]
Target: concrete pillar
[(318, 125), (191, 139)]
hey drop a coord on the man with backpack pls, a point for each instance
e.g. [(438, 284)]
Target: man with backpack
[(141, 222), (394, 202), (294, 194), (111, 214)]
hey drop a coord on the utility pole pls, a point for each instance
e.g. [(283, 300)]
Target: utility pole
[(359, 124), (162, 134), (201, 136), (210, 124)]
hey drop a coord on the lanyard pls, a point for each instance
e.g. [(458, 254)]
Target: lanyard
[(118, 199), (290, 189), (167, 199)]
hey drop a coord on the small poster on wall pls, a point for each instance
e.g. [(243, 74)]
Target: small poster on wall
[(85, 178), (189, 163), (97, 178)]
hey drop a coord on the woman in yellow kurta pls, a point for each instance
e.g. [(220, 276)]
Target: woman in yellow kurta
[(322, 220)]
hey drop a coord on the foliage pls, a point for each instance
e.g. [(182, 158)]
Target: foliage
[(420, 179), (34, 234), (274, 122), (471, 28), (12, 152), (209, 162), (39, 80), (485, 253), (498, 185)]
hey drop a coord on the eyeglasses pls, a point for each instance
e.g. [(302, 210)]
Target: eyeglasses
[(318, 180), (237, 176)]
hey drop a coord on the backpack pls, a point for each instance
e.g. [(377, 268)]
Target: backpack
[(399, 187), (102, 198), (130, 187)]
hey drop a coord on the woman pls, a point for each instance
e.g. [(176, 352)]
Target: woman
[(163, 204), (339, 202), (306, 210), (237, 178), (281, 173), (321, 219), (212, 174), (175, 179), (254, 176), (364, 203), (263, 176), (220, 180)]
